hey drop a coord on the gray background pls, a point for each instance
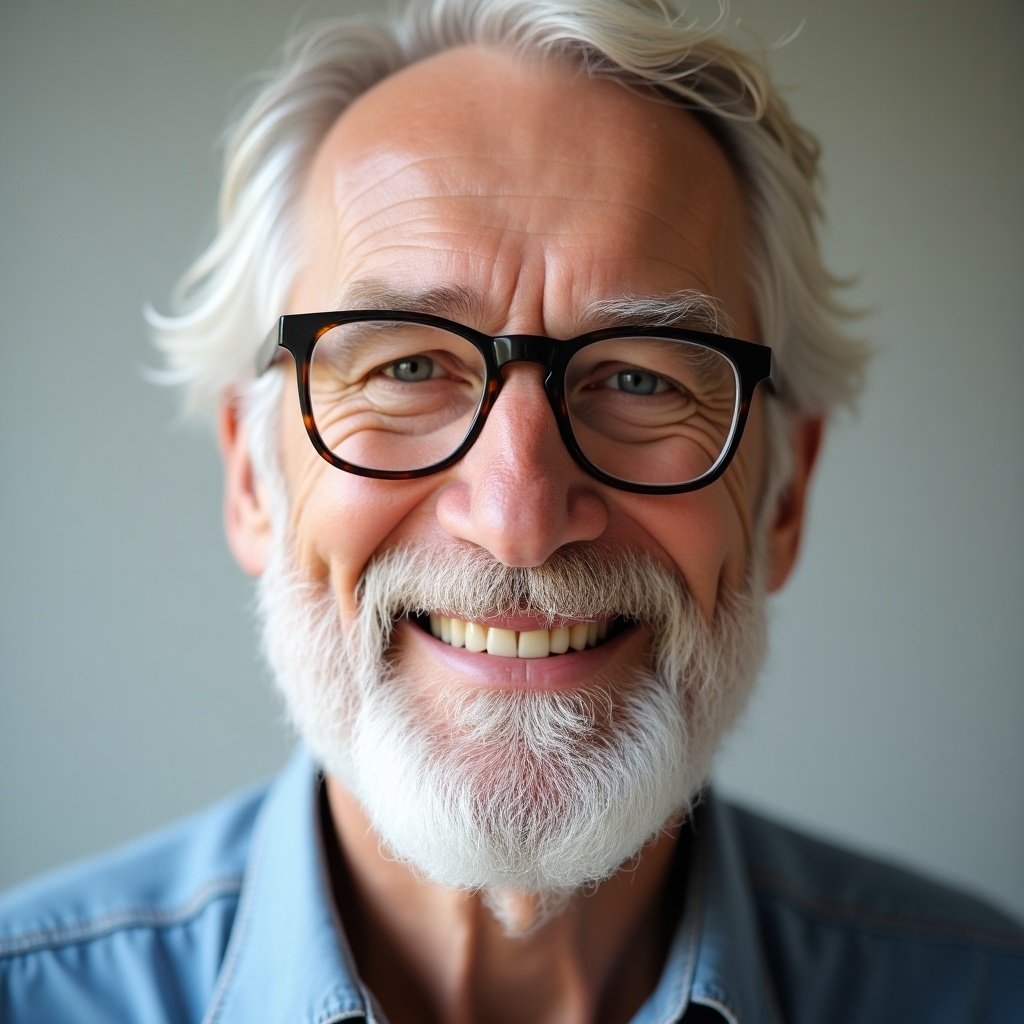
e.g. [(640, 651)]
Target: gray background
[(892, 709)]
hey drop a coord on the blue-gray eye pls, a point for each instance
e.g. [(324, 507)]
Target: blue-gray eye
[(637, 382), (411, 370)]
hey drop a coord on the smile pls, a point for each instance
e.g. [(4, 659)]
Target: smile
[(528, 643)]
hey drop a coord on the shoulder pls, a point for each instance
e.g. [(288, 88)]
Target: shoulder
[(139, 929), (874, 931)]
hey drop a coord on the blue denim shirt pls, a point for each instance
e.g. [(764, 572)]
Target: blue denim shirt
[(228, 918)]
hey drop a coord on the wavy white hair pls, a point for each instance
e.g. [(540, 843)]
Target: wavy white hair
[(233, 293)]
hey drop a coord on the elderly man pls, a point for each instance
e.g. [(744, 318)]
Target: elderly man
[(547, 280)]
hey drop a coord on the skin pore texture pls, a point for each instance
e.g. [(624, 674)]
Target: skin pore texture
[(536, 192)]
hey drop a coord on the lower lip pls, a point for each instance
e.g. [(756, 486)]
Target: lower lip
[(569, 671)]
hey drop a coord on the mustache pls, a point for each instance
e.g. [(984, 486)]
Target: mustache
[(578, 581)]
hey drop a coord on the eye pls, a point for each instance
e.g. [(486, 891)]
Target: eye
[(411, 369), (637, 382)]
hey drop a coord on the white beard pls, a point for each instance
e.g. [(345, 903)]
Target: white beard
[(531, 792)]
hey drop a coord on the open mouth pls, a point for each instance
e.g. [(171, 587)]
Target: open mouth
[(528, 643)]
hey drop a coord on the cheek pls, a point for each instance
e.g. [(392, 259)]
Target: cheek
[(701, 536), (707, 535), (338, 521), (342, 521)]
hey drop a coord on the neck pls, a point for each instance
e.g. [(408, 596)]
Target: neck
[(498, 956)]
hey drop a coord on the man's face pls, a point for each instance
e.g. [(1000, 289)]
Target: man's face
[(524, 196), (538, 193)]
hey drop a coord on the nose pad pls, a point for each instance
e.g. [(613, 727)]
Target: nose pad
[(518, 493)]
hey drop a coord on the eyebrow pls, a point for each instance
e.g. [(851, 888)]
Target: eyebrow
[(450, 301), (688, 308)]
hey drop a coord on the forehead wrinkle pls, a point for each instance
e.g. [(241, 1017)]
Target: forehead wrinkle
[(499, 259), (401, 162), (353, 180), (438, 240), (367, 175), (622, 208), (619, 205)]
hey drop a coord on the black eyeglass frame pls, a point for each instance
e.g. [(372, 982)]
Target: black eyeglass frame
[(298, 333)]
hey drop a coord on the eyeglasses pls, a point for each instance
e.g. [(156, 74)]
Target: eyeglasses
[(397, 395)]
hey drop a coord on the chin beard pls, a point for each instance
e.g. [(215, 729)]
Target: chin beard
[(538, 793)]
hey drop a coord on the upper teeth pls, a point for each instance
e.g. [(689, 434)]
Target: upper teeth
[(511, 643)]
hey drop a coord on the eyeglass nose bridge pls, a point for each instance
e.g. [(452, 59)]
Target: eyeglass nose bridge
[(547, 353), (524, 348), (551, 355)]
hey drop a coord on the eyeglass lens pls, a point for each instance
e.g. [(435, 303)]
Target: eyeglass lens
[(401, 396)]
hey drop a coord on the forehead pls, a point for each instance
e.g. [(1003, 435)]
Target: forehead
[(532, 186)]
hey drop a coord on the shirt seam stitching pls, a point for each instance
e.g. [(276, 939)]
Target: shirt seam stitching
[(833, 914), (240, 935), (122, 920)]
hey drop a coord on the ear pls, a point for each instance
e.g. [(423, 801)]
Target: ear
[(786, 526), (247, 521)]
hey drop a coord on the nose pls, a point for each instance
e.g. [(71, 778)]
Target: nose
[(517, 492)]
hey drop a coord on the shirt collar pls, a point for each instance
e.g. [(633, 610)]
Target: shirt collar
[(715, 959), (287, 959)]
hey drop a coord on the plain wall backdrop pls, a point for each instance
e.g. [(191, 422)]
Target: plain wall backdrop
[(891, 712)]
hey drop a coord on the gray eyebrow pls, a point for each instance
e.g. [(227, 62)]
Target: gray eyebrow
[(689, 308), (450, 301), (685, 308)]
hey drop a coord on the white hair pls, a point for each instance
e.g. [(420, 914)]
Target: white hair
[(237, 288), (513, 791)]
